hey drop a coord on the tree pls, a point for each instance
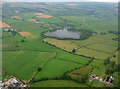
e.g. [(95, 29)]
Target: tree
[(107, 61), (114, 55), (14, 33), (39, 69), (112, 64), (22, 41), (17, 46), (73, 50)]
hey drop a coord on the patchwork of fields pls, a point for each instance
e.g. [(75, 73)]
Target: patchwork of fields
[(97, 47), (58, 59), (23, 64)]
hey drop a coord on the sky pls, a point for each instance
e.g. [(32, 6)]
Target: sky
[(59, 0)]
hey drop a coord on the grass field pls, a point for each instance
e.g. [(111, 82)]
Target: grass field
[(23, 64), (35, 45), (56, 57), (92, 53), (56, 68), (80, 72), (97, 84), (102, 25), (57, 83), (71, 57), (116, 76), (98, 67), (96, 46), (116, 58), (102, 48)]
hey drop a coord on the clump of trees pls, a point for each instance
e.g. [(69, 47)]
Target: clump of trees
[(73, 51), (85, 33), (39, 69), (113, 32), (111, 66), (14, 33), (107, 61), (22, 41)]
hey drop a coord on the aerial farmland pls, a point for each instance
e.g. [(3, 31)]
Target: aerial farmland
[(52, 44)]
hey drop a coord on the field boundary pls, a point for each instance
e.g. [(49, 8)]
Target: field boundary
[(41, 68), (69, 61)]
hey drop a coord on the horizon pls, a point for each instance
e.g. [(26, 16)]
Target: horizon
[(112, 1)]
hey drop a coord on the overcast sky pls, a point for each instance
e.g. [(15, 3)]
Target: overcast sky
[(59, 0)]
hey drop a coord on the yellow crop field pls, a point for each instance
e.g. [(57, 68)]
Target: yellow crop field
[(97, 46), (97, 39), (102, 48), (92, 53), (63, 44)]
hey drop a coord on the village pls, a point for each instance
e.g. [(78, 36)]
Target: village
[(107, 81), (11, 82)]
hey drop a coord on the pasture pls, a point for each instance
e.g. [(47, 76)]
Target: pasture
[(71, 57), (57, 83), (80, 72), (98, 67), (102, 48), (102, 25), (56, 68), (115, 58), (22, 58), (23, 64), (96, 46), (97, 84)]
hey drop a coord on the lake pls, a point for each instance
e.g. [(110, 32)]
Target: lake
[(64, 33)]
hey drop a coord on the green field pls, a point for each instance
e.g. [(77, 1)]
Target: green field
[(102, 48), (60, 58), (80, 73), (71, 57), (102, 25), (92, 53), (116, 58), (97, 46), (98, 67), (56, 68), (57, 83), (23, 64)]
